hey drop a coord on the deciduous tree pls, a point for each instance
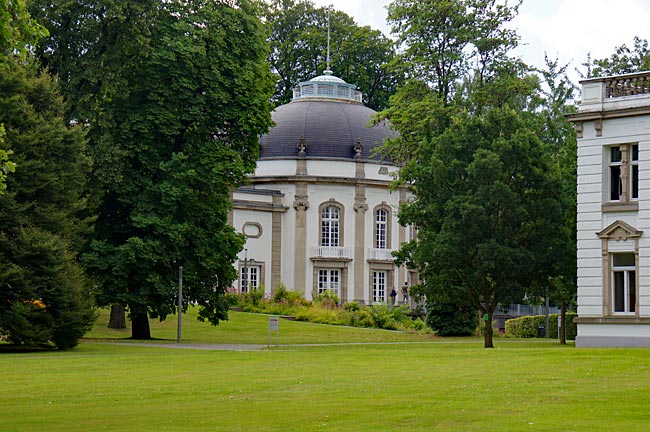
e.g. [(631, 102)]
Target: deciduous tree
[(173, 125), (486, 191), (359, 55)]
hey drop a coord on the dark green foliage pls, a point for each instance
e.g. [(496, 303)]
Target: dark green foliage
[(487, 190), (447, 319), (44, 297), (526, 327), (359, 55), (175, 95)]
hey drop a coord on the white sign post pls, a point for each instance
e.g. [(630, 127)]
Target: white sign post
[(273, 327)]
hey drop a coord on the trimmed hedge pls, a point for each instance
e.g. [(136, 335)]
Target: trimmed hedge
[(526, 326)]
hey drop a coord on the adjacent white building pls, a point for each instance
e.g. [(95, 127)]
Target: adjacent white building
[(613, 128), (318, 213)]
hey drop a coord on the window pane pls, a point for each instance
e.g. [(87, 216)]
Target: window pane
[(623, 260), (619, 291), (635, 152), (635, 181), (615, 185), (615, 154), (632, 290)]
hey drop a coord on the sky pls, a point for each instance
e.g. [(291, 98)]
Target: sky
[(564, 29)]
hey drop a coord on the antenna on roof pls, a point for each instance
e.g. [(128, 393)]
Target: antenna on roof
[(328, 71)]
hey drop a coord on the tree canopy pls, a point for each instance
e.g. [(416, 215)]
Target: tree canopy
[(44, 295), (624, 60), (174, 111), (486, 190), (359, 55)]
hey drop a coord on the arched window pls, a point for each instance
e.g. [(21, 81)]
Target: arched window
[(330, 225), (381, 229)]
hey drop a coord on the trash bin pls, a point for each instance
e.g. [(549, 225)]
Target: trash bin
[(540, 332)]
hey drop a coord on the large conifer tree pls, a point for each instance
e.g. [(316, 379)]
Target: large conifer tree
[(44, 297)]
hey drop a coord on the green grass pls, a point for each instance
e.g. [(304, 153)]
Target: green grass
[(243, 328), (436, 384)]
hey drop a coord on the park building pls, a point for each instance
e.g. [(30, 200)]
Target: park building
[(613, 219), (319, 213)]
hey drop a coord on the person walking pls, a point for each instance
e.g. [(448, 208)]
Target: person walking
[(393, 297), (405, 293)]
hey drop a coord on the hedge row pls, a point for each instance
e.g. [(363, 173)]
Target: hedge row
[(526, 326)]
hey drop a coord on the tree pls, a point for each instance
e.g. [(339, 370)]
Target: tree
[(624, 60), (298, 40), (486, 208), (443, 38), (17, 33), (44, 295), (170, 136), (486, 191), (559, 136)]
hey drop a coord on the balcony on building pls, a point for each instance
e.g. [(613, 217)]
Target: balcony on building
[(331, 252), (375, 254), (620, 92)]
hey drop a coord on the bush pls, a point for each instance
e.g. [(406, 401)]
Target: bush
[(324, 310), (447, 319), (526, 326)]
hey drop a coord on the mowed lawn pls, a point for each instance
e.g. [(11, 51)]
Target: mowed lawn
[(422, 384)]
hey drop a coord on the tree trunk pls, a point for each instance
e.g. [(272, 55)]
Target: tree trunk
[(140, 323), (489, 332), (118, 317), (562, 328)]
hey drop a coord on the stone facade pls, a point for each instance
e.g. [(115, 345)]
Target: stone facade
[(613, 128)]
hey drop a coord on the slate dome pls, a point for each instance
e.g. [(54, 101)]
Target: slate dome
[(325, 119)]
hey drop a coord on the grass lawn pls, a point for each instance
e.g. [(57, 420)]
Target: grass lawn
[(428, 384)]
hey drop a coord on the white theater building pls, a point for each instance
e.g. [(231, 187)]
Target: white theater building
[(318, 213), (613, 128)]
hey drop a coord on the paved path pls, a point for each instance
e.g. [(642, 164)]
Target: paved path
[(257, 347)]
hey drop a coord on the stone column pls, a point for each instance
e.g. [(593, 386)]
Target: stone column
[(276, 244), (301, 204), (402, 275), (360, 208)]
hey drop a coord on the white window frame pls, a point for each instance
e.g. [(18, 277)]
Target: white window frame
[(330, 226), (379, 279), (381, 228), (249, 277), (629, 286), (329, 280)]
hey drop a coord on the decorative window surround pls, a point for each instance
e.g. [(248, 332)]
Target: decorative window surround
[(622, 178), (618, 231)]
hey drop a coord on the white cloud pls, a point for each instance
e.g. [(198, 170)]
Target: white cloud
[(567, 29), (579, 27)]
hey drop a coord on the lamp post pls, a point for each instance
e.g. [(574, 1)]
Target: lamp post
[(180, 303), (245, 278)]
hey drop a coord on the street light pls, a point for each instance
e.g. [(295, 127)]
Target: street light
[(245, 278)]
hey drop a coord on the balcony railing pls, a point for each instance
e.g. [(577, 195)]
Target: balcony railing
[(380, 254), (331, 252), (627, 85)]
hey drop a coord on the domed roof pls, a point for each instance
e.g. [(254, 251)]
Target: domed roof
[(325, 119)]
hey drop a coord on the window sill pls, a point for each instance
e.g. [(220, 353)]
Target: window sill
[(629, 206)]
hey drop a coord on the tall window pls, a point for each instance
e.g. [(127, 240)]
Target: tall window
[(381, 229), (624, 283), (378, 286), (624, 172), (615, 180), (635, 171), (330, 218), (249, 278), (329, 280)]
